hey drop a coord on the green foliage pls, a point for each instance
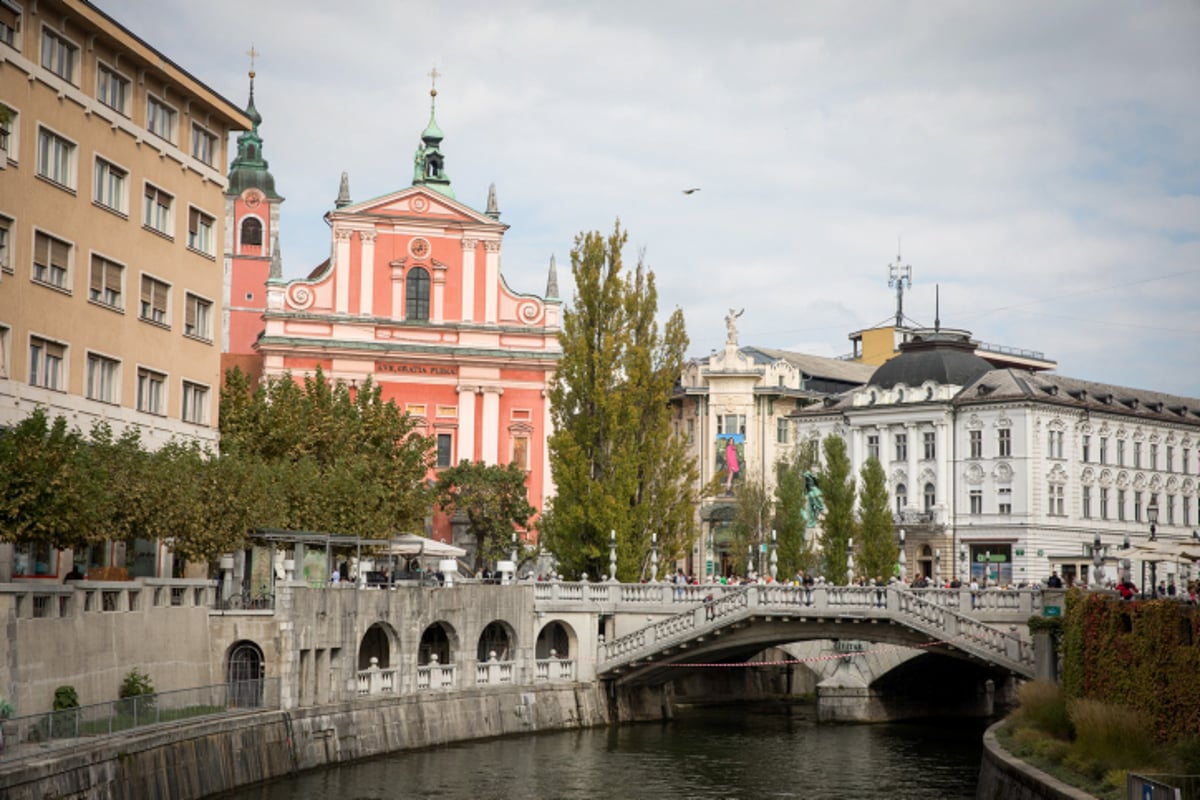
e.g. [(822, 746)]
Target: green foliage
[(616, 463), (65, 697), (838, 525), (136, 683), (1111, 736), (7, 710), (751, 515), (1043, 707), (795, 547), (878, 552), (493, 498)]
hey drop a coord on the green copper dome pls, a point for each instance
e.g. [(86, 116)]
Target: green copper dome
[(429, 165), (249, 168)]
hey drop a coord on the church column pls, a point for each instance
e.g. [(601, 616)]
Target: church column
[(397, 289), (491, 424), (439, 292), (342, 270), (492, 279), (468, 279), (466, 423), (366, 302)]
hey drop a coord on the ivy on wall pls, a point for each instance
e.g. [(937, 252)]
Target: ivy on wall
[(1143, 654)]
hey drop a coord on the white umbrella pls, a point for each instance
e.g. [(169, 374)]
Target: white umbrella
[(410, 544)]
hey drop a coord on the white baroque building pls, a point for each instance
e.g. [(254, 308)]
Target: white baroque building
[(1012, 473)]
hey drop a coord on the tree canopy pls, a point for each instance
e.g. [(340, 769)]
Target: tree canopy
[(838, 525), (877, 548), (791, 498), (494, 500), (616, 463)]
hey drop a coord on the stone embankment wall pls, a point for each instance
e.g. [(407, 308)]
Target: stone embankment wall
[(1005, 777), (200, 759)]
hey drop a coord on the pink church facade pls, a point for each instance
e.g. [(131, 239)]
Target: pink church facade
[(413, 298)]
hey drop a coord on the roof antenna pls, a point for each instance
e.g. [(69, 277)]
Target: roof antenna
[(937, 307), (898, 273)]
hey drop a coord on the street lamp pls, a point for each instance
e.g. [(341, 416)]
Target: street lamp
[(1097, 560), (1152, 517), (654, 558), (903, 559), (937, 567), (774, 557), (612, 555), (962, 557)]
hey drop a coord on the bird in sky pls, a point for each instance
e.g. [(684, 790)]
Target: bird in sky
[(692, 190)]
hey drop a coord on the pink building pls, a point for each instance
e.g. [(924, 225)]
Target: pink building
[(413, 298)]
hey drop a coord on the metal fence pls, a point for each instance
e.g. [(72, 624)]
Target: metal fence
[(33, 734), (1162, 787)]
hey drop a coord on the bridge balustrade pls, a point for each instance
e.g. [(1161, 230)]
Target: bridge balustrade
[(554, 669), (436, 676), (374, 680), (494, 673)]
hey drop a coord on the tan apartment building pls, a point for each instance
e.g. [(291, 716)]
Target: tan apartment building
[(111, 226)]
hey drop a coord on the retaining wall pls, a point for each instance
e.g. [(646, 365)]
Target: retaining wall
[(1005, 777)]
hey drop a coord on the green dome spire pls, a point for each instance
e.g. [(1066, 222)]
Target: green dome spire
[(249, 168), (429, 165)]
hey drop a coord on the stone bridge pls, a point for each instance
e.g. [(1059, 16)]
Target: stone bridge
[(741, 621)]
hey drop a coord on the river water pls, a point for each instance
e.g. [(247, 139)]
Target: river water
[(744, 751)]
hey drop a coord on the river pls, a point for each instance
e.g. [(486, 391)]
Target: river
[(745, 751)]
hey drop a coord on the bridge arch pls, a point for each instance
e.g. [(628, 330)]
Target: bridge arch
[(439, 642), (379, 641), (245, 669), (497, 637), (559, 637)]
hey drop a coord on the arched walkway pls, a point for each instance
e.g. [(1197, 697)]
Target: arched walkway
[(437, 644), (498, 642), (244, 672), (555, 640), (376, 643)]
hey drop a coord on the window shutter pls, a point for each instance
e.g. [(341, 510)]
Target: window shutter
[(8, 17), (190, 313), (96, 278), (112, 275), (160, 296), (41, 249), (147, 289), (55, 350), (59, 252), (193, 221)]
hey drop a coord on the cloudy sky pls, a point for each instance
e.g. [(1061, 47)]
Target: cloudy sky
[(1040, 162)]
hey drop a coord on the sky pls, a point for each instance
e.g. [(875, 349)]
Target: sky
[(1038, 163)]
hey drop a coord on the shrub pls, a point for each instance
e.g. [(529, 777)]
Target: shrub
[(1116, 779), (64, 722), (137, 697), (1115, 736), (1055, 750), (1043, 706), (6, 709), (136, 683), (1025, 741), (65, 697)]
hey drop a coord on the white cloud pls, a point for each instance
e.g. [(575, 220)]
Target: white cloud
[(1041, 161)]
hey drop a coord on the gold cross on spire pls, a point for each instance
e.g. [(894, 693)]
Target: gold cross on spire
[(253, 54), (433, 76)]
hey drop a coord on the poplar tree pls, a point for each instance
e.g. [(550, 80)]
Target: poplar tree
[(751, 526), (791, 497), (837, 526), (616, 465), (879, 551)]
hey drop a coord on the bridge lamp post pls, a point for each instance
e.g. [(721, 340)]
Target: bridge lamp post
[(937, 566), (654, 558), (849, 562), (749, 560), (1097, 561), (1152, 518), (962, 558), (903, 559), (774, 557), (612, 555)]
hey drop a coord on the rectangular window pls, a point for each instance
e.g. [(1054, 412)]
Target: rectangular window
[(46, 363), (1137, 455), (691, 431), (204, 145), (930, 445), (1059, 437), (150, 391), (195, 403), (6, 229), (416, 409), (1004, 443), (156, 210), (198, 317), (1004, 501), (930, 498), (976, 441), (1187, 511), (104, 282), (1087, 502), (731, 423), (901, 446), (520, 452), (1121, 505), (5, 334), (445, 442), (1170, 467), (9, 130), (1137, 506), (10, 24), (200, 231), (59, 55), (1057, 507), (451, 412), (1184, 467), (51, 260), (160, 119), (873, 446), (1153, 456), (1120, 452), (1103, 502), (155, 296), (976, 501), (56, 158), (112, 89), (781, 431), (101, 378), (1103, 449), (1087, 448), (110, 189), (1170, 509)]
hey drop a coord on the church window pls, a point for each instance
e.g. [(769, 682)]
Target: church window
[(445, 442), (252, 231), (416, 294), (901, 498)]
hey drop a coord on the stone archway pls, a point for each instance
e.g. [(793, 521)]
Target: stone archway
[(245, 669), (497, 638), (437, 644), (376, 643), (556, 640)]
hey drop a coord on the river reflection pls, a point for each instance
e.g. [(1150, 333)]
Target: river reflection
[(745, 751)]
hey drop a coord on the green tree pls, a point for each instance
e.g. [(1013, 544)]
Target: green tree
[(791, 497), (494, 500), (751, 525), (875, 544), (49, 490), (838, 525), (616, 465)]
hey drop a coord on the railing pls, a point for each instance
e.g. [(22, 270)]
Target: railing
[(554, 669), (494, 673), (261, 600), (436, 676), (377, 680), (33, 734)]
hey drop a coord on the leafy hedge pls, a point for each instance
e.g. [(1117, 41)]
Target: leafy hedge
[(1142, 654)]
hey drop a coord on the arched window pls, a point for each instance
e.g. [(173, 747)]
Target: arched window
[(901, 497), (244, 673), (930, 497), (251, 231), (416, 294)]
